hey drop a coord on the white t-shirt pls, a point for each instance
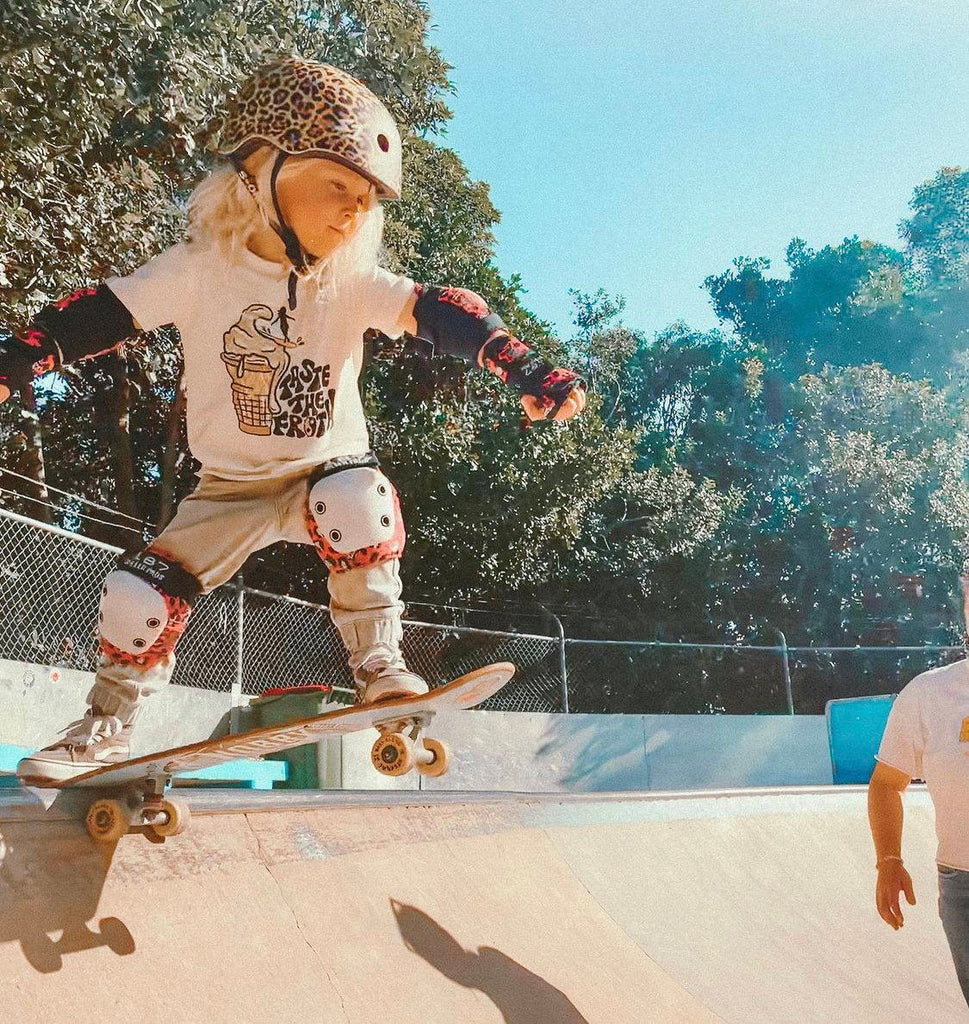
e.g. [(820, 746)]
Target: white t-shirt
[(269, 391), (927, 737)]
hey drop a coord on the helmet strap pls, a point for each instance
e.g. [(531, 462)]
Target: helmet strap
[(297, 255), (247, 179), (251, 183)]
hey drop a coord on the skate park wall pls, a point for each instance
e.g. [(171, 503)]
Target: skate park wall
[(492, 750), (542, 753), (37, 702)]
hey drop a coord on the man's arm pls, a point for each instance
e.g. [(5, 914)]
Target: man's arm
[(885, 817), (885, 810)]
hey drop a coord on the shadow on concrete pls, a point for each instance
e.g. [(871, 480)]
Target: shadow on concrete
[(521, 996), (598, 753), (51, 878)]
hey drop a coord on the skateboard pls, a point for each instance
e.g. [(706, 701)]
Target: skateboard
[(141, 805)]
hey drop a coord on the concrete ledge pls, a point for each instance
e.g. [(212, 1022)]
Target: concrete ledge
[(257, 774), (525, 752)]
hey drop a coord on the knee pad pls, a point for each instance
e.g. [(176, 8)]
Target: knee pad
[(145, 605), (353, 516)]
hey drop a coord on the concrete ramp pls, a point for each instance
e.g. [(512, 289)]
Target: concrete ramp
[(741, 906)]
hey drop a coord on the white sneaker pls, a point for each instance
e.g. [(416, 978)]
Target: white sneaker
[(377, 680), (91, 742)]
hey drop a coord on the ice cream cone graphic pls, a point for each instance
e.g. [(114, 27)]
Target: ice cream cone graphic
[(255, 360)]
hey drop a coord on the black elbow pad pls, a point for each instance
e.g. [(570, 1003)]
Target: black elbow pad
[(457, 322), (86, 323)]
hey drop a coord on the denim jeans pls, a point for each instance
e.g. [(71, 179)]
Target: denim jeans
[(954, 911)]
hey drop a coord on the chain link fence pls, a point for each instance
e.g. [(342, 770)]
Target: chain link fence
[(635, 677), (306, 647), (821, 674), (657, 679), (238, 641), (241, 641)]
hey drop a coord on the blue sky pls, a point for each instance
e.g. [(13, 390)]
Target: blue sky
[(640, 146)]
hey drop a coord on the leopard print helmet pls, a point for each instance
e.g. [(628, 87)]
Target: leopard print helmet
[(303, 107)]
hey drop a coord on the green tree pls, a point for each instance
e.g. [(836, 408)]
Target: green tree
[(107, 118)]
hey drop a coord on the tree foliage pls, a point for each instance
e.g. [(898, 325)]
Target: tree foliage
[(802, 467)]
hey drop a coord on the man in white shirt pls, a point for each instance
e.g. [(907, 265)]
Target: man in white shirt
[(927, 737)]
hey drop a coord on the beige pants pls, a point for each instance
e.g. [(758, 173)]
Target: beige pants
[(214, 531)]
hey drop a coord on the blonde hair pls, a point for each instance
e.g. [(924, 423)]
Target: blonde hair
[(222, 214)]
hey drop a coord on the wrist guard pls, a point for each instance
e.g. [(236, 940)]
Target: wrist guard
[(517, 364), (457, 322)]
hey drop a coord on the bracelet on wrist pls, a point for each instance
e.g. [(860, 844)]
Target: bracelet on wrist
[(883, 860)]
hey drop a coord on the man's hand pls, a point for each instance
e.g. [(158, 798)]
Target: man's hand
[(893, 880)]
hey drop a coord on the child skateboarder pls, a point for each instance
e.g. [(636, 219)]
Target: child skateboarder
[(271, 290)]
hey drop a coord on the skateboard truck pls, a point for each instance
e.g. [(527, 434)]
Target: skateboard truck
[(141, 809), (402, 747)]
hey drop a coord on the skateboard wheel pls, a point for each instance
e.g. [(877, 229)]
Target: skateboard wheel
[(393, 754), (436, 760), (116, 936), (106, 821), (41, 952), (176, 818)]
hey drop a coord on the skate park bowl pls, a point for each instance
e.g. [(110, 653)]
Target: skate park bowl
[(751, 905)]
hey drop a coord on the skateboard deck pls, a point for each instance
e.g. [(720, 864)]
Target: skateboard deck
[(400, 748)]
